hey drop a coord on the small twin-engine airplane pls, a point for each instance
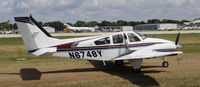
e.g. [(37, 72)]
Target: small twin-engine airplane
[(79, 28), (119, 46)]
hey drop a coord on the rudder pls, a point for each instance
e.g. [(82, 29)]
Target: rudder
[(33, 35)]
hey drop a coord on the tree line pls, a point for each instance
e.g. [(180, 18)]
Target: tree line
[(59, 26), (124, 23)]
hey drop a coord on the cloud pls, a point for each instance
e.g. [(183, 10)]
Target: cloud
[(98, 10)]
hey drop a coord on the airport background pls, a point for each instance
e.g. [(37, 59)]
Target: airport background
[(110, 16), (107, 26)]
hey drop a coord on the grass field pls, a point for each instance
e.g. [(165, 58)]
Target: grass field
[(183, 71)]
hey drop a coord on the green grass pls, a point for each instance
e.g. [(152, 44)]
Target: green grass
[(11, 41), (11, 49), (190, 42), (18, 41)]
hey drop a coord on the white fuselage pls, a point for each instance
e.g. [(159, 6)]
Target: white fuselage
[(80, 28), (87, 49), (118, 46)]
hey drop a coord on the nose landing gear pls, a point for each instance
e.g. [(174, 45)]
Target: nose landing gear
[(119, 62), (165, 63)]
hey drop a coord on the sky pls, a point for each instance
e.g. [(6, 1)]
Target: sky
[(98, 10)]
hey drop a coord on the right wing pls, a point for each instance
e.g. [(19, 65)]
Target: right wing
[(145, 54)]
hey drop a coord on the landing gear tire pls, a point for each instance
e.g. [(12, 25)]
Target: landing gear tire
[(165, 64), (119, 62), (136, 70)]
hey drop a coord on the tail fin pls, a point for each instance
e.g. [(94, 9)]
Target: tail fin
[(33, 34), (67, 25)]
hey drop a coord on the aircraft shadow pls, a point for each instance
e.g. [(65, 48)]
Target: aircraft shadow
[(34, 74), (124, 72), (144, 67)]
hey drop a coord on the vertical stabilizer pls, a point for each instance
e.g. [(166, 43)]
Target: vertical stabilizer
[(68, 26), (33, 34)]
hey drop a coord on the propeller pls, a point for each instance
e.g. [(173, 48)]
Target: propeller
[(177, 45), (177, 39)]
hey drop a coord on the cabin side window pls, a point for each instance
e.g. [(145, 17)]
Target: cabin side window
[(102, 41), (117, 38), (132, 37)]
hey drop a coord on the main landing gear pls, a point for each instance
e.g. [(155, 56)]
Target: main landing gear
[(119, 62), (136, 65), (165, 64), (136, 70)]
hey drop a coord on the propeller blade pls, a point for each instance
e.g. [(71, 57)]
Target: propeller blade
[(177, 38)]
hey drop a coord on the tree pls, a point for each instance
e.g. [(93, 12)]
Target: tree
[(113, 24), (132, 23), (184, 21), (165, 21), (153, 21), (105, 23), (1, 26), (5, 25), (171, 21), (59, 26), (142, 22), (92, 23), (40, 23), (122, 23), (81, 24), (99, 24), (15, 26), (70, 24)]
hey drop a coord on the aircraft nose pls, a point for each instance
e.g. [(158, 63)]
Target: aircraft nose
[(178, 46), (168, 41)]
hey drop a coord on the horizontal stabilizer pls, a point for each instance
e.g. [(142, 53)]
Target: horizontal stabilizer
[(44, 50)]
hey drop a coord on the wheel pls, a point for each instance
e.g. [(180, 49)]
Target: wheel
[(136, 70), (165, 64), (119, 62)]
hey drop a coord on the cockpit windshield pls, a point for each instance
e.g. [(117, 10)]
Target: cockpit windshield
[(141, 35)]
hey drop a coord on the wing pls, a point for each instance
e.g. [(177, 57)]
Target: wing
[(142, 54)]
